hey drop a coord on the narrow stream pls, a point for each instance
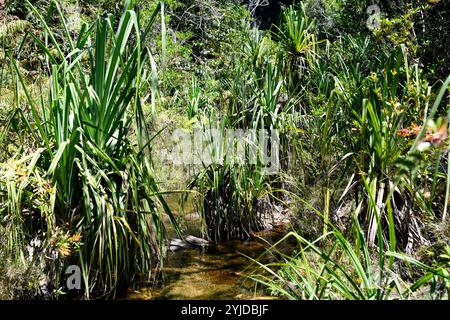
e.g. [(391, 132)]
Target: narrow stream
[(213, 273)]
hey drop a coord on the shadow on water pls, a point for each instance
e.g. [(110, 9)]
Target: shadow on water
[(214, 273)]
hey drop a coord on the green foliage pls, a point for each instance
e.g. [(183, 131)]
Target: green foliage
[(230, 186), (362, 114), (346, 269), (195, 99), (17, 280), (94, 149), (296, 32)]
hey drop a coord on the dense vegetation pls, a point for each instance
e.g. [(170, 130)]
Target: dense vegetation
[(91, 93)]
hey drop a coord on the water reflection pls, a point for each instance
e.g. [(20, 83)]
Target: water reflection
[(216, 272)]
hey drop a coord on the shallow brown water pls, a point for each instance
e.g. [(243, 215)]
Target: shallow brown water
[(213, 273)]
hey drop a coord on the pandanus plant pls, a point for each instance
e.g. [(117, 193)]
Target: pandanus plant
[(296, 32), (228, 184), (346, 269), (96, 147), (379, 105)]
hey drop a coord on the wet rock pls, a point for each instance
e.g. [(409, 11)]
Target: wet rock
[(196, 241), (178, 244), (189, 242)]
